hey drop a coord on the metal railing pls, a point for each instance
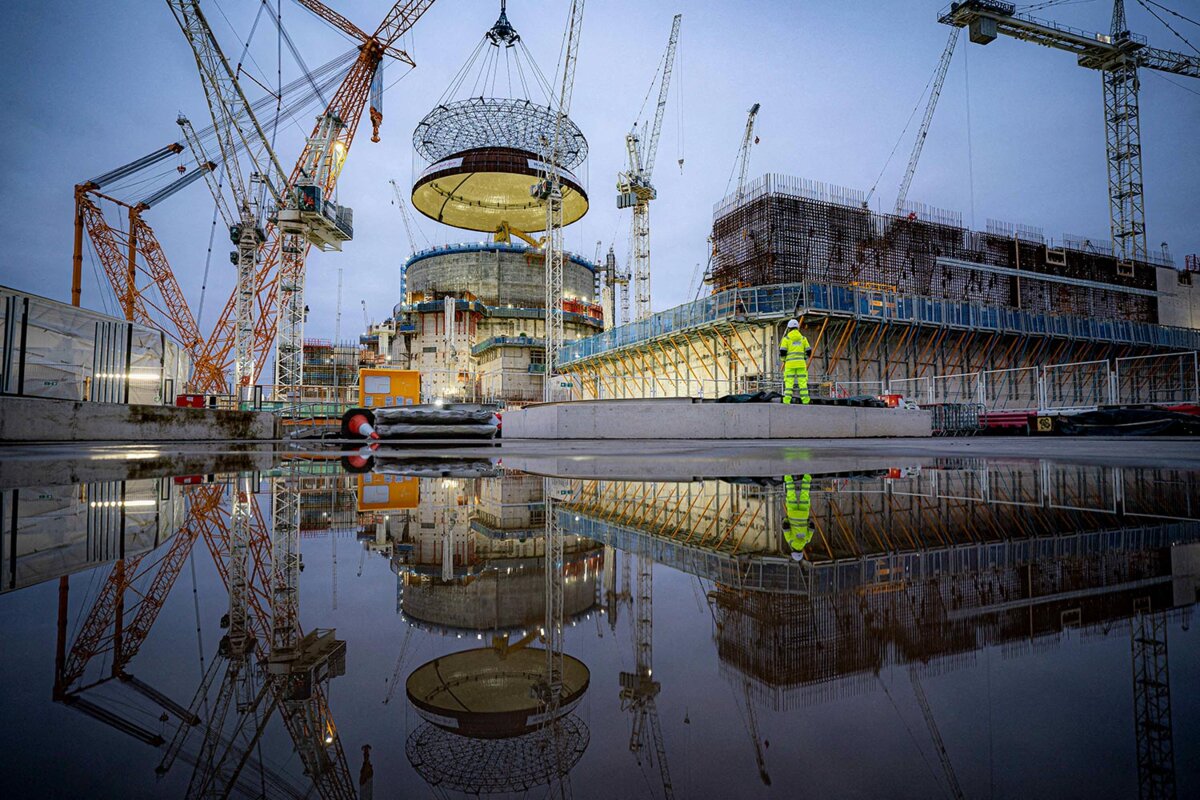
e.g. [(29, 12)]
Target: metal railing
[(782, 301)]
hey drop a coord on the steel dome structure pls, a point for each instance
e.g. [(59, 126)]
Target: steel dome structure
[(482, 152)]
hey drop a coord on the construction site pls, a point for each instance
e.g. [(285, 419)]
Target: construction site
[(450, 483)]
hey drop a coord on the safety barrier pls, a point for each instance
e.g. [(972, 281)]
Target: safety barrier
[(1164, 379), (1083, 384), (1168, 379)]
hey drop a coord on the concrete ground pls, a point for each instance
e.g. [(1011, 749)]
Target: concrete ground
[(33, 464)]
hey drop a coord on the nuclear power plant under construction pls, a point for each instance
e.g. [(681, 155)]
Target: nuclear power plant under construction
[(555, 521)]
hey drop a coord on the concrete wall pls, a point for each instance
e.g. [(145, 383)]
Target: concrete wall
[(24, 419), (1179, 303), (497, 278), (684, 419)]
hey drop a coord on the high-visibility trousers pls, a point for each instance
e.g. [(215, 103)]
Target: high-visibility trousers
[(795, 382), (797, 506)]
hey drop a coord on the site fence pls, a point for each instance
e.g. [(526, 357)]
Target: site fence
[(1169, 378)]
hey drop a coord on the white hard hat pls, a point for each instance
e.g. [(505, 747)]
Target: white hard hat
[(793, 324)]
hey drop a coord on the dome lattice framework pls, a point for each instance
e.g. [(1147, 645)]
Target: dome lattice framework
[(446, 760), (490, 122)]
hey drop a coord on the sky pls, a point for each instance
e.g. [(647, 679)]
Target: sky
[(1017, 136)]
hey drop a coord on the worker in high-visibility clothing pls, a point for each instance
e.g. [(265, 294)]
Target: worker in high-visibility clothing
[(794, 351), (796, 530)]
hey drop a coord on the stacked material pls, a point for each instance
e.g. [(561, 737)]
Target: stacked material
[(424, 422)]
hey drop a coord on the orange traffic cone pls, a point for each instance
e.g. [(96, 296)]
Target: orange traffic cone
[(359, 425)]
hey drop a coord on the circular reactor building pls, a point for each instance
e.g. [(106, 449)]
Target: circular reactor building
[(472, 320)]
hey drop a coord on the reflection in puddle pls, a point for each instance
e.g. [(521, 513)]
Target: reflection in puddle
[(526, 615)]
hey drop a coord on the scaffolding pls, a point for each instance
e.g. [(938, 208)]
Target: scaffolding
[(787, 230), (887, 299), (330, 364)]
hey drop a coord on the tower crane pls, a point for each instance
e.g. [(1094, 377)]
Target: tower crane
[(639, 690), (279, 279), (934, 93), (634, 187), (406, 218), (549, 190), (153, 297), (741, 166), (236, 128), (748, 141), (936, 735), (1117, 55)]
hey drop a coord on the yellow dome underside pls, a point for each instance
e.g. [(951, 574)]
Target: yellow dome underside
[(480, 201)]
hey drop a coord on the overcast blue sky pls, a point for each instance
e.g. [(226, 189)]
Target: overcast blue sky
[(91, 85)]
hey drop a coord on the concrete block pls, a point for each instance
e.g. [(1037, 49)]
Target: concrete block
[(686, 419), (28, 419)]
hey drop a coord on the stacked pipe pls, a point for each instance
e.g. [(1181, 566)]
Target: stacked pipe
[(420, 422)]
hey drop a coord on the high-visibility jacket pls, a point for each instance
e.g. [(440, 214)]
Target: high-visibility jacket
[(793, 349), (797, 505)]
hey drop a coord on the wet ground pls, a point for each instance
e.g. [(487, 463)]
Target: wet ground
[(962, 618)]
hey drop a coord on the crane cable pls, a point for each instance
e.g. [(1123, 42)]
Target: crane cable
[(1167, 25), (970, 156), (1173, 13), (679, 98), (912, 115)]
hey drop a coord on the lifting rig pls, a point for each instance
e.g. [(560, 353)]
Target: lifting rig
[(634, 189), (1117, 55)]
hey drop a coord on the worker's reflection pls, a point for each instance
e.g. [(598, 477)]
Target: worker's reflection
[(796, 530)]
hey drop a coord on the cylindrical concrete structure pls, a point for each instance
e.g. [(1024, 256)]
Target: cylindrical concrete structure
[(497, 275)]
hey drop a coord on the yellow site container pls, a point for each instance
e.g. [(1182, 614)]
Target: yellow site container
[(383, 492), (385, 388)]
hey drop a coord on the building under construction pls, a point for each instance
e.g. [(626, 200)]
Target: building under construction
[(886, 299), (473, 322)]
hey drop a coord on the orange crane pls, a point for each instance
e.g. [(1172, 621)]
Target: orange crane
[(120, 619), (277, 295), (134, 263), (279, 280), (118, 251)]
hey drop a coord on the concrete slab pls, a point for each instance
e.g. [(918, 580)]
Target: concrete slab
[(692, 419), (29, 419)]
